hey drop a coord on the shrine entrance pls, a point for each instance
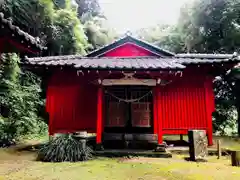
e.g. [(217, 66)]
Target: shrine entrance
[(128, 109)]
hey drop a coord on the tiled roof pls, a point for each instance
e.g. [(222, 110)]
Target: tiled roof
[(205, 56), (151, 63), (176, 62), (18, 32), (187, 59)]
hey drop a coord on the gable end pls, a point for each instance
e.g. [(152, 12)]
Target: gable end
[(129, 39)]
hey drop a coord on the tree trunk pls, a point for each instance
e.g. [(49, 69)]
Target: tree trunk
[(238, 119), (237, 95), (235, 158)]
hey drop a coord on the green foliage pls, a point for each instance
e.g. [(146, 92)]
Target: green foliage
[(98, 31), (211, 26), (58, 28), (70, 37), (91, 7), (224, 120), (65, 148), (165, 36), (225, 116), (65, 31), (19, 100), (63, 26), (25, 13)]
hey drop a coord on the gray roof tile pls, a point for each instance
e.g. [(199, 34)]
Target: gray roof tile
[(107, 63), (132, 63)]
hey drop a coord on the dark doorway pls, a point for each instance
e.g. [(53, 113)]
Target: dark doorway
[(128, 109)]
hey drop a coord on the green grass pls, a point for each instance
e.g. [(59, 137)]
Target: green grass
[(21, 165)]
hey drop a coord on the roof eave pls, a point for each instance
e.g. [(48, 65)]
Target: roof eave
[(16, 31)]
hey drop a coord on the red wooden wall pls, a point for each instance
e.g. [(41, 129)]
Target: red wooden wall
[(71, 103), (185, 104), (128, 50)]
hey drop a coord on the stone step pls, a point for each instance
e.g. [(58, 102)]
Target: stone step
[(130, 152)]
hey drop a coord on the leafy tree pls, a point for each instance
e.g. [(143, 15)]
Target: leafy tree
[(224, 118), (211, 26), (98, 32), (88, 7), (59, 29), (164, 36), (19, 101)]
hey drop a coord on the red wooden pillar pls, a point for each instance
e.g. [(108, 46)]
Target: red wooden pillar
[(99, 114), (49, 110), (158, 110), (209, 99), (155, 115)]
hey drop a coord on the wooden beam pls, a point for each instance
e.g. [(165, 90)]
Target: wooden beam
[(126, 81)]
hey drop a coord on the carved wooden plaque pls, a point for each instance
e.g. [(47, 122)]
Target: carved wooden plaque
[(116, 115), (141, 114)]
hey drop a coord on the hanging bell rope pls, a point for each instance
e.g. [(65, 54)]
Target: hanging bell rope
[(129, 100)]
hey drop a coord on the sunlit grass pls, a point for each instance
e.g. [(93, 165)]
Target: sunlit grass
[(22, 165)]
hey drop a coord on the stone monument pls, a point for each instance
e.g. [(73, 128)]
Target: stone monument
[(197, 145)]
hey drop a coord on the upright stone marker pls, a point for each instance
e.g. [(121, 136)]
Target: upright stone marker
[(197, 145)]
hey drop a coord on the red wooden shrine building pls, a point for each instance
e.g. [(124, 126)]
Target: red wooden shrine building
[(132, 90), (13, 39)]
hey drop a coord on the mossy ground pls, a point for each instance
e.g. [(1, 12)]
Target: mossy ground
[(19, 165)]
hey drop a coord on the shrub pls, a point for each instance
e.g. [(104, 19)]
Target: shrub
[(19, 101), (65, 148), (6, 138)]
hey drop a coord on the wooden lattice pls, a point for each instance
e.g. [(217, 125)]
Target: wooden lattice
[(116, 115), (139, 111), (140, 114)]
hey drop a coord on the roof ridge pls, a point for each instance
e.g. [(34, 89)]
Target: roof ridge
[(150, 44), (124, 36), (130, 39)]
